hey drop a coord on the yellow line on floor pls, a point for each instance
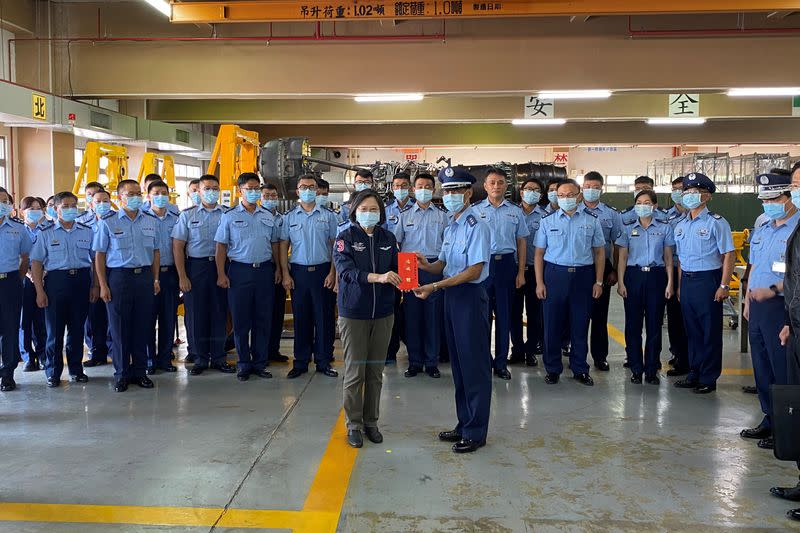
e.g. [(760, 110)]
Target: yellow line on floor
[(616, 334)]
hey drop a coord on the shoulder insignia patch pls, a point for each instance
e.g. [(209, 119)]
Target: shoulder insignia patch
[(589, 213), (715, 215), (109, 214), (471, 220)]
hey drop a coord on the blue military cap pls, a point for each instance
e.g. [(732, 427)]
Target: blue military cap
[(455, 178), (772, 185), (700, 181)]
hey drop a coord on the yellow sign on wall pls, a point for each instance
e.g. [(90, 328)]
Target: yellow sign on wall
[(39, 107)]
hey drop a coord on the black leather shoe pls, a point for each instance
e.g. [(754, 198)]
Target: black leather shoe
[(674, 372), (602, 366), (584, 379), (551, 379), (168, 368), (503, 374), (704, 389), (787, 493), (766, 444), (121, 385), (328, 371), (31, 366), (7, 384), (355, 439), (636, 379), (80, 378), (450, 436), (411, 372), (626, 364), (225, 368), (296, 372), (758, 432), (565, 351), (53, 382), (278, 358), (531, 361), (516, 358), (749, 389), (433, 372), (94, 362), (686, 384), (793, 514), (652, 380), (374, 435), (197, 370), (151, 370), (467, 446), (144, 382), (189, 358), (243, 376), (263, 373)]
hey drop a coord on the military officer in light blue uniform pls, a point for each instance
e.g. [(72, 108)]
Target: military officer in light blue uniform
[(421, 230), (640, 184), (147, 204), (64, 251), (95, 330), (247, 240), (569, 263), (678, 345), (15, 247), (91, 212), (464, 261), (126, 243), (764, 302), (552, 196), (507, 266), (705, 251), (363, 180), (32, 331), (269, 201)]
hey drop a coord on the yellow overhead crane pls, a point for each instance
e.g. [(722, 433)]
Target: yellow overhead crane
[(164, 166), (116, 168), (235, 151)]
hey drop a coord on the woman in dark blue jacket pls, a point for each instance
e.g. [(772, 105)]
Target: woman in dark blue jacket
[(365, 255)]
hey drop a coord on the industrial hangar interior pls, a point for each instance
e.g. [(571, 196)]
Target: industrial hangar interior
[(106, 91)]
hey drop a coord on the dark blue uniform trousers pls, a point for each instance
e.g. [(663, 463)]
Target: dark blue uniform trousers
[(569, 297), (96, 333), (250, 298), (702, 317), (467, 329), (423, 324), (67, 306), (10, 307), (500, 286), (678, 344), (312, 317), (598, 335), (131, 303), (644, 306), (32, 332), (525, 298), (208, 306), (278, 312), (769, 357), (165, 316)]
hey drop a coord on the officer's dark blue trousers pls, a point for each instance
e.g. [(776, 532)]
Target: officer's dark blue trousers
[(96, 333), (67, 306), (10, 307), (311, 313), (423, 324), (467, 329), (251, 297), (599, 332), (525, 297), (500, 286), (569, 298), (278, 312), (702, 317), (398, 328), (131, 303), (187, 324), (32, 332), (165, 315), (769, 357), (208, 305), (678, 344), (644, 306)]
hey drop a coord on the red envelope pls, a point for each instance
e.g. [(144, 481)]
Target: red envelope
[(408, 270)]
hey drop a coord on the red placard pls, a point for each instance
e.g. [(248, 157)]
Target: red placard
[(408, 270)]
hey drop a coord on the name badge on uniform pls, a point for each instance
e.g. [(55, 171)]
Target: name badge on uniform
[(703, 232), (779, 267), (635, 233), (240, 223)]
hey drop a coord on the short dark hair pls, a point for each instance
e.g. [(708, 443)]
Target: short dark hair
[(48, 199), (157, 183), (195, 181), (678, 180), (497, 170), (103, 192), (531, 179), (644, 179), (555, 181), (151, 177), (360, 197), (94, 185), (796, 167), (323, 184), (364, 173), (244, 177), (269, 187), (593, 175), (307, 177), (780, 171), (568, 182), (425, 176), (123, 183), (26, 202), (402, 176), (2, 190), (649, 193), (59, 198), (208, 177)]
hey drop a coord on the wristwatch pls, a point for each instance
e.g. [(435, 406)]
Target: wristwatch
[(726, 287), (774, 288), (435, 286), (598, 283)]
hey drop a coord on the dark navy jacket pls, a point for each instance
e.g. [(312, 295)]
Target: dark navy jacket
[(356, 254)]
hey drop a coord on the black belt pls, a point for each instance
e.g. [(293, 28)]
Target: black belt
[(648, 268), (253, 265), (71, 271), (499, 257), (311, 268), (201, 259), (137, 270), (167, 268)]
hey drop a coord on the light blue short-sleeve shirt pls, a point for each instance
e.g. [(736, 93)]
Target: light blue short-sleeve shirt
[(646, 245), (58, 248), (127, 243), (248, 236), (768, 252), (701, 241), (610, 221), (506, 222), (467, 242), (15, 240), (533, 220), (166, 225), (421, 229), (309, 234), (197, 226), (568, 240)]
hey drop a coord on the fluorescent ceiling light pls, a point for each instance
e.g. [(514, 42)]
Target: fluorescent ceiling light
[(574, 95), (765, 91), (161, 5), (400, 97), (96, 135), (539, 121), (676, 121)]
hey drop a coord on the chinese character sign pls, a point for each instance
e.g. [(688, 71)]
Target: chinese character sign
[(684, 105), (560, 158), (539, 108)]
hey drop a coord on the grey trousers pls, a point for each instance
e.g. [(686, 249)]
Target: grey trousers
[(365, 343)]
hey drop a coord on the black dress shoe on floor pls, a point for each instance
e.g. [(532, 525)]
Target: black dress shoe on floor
[(749, 389), (374, 435), (328, 371), (144, 382), (31, 366), (766, 444), (531, 361), (278, 358), (225, 368), (243, 376), (467, 446), (80, 378), (787, 493), (516, 358), (53, 382), (674, 372), (296, 373), (189, 358), (704, 389), (168, 368), (197, 370), (433, 372), (759, 432), (602, 366), (450, 436), (636, 380), (793, 514), (263, 373), (626, 364), (121, 385), (686, 384), (584, 379), (7, 384), (503, 374), (355, 439), (551, 379), (411, 372), (652, 380)]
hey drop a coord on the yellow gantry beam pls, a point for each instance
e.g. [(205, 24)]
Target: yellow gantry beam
[(305, 10)]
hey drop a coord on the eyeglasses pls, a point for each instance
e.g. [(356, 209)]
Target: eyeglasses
[(307, 188), (572, 195), (132, 194), (251, 189)]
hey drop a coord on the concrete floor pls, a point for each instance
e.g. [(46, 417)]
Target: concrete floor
[(615, 457)]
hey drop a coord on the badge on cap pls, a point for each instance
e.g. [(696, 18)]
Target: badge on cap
[(449, 172), (764, 180)]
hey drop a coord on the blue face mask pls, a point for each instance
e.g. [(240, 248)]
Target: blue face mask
[(423, 195), (51, 212), (591, 195), (796, 197), (33, 215), (252, 197), (531, 197), (210, 196), (774, 211), (322, 200), (367, 219), (677, 197), (102, 208), (5, 209), (270, 204), (361, 186), (567, 204), (643, 210), (308, 196), (195, 196), (69, 214), (453, 202), (691, 200), (160, 201), (553, 197), (400, 194), (133, 203)]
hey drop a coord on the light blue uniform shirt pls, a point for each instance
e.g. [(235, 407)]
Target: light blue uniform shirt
[(610, 221), (249, 236), (127, 243), (568, 240), (467, 241), (533, 220), (87, 216), (768, 252), (506, 223), (701, 241), (646, 245), (629, 215), (15, 240), (58, 248), (393, 210), (309, 234), (344, 213), (421, 230), (172, 208), (165, 227), (197, 226)]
